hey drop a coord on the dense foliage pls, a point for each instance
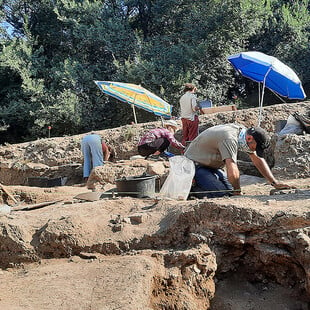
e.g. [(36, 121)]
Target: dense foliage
[(53, 50)]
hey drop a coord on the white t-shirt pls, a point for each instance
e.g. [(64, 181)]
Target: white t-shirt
[(188, 102)]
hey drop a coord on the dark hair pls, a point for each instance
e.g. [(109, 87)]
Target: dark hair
[(261, 138)]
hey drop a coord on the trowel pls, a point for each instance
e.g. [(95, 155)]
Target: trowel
[(89, 196)]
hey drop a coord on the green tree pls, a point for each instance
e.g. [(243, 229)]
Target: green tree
[(58, 48)]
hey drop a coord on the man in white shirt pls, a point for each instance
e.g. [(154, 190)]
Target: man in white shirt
[(189, 114)]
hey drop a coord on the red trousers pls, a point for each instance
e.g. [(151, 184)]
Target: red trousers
[(190, 129)]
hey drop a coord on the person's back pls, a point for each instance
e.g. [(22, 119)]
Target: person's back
[(215, 144), (152, 135), (187, 104), (91, 146)]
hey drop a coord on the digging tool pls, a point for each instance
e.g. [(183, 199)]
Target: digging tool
[(35, 206), (89, 196)]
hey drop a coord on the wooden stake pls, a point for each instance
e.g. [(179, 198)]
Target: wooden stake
[(35, 206), (7, 193)]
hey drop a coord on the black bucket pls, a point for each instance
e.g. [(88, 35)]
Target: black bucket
[(46, 182), (137, 186)]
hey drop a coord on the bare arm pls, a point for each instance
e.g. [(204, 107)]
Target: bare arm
[(105, 151), (170, 136), (107, 155), (233, 175), (195, 107), (263, 168)]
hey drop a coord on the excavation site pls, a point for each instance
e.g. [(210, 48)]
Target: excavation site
[(70, 245)]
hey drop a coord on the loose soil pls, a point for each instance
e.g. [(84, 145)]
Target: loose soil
[(89, 259)]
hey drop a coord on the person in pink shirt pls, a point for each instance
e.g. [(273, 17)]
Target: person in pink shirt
[(157, 140)]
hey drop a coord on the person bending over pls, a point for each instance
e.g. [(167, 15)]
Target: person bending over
[(95, 152), (217, 147)]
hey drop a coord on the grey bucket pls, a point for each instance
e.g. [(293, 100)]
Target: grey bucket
[(136, 186)]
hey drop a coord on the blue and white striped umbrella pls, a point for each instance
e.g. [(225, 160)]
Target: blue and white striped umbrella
[(269, 71), (263, 68)]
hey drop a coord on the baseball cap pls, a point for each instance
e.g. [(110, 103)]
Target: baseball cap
[(171, 122), (261, 138)]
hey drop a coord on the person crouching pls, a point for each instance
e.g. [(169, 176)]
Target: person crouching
[(157, 140)]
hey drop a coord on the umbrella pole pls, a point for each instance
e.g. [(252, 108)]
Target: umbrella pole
[(261, 106), (259, 101), (134, 113), (262, 99), (278, 97), (162, 121)]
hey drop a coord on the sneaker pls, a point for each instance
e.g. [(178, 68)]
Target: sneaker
[(163, 156), (167, 154)]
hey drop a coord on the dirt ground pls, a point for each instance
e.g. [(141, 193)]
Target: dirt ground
[(76, 283), (251, 186), (107, 283), (107, 277), (97, 281), (237, 293)]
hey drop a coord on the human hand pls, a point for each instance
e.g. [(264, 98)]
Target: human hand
[(282, 186), (237, 192)]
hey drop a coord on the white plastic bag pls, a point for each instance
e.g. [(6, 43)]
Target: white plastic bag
[(5, 209), (179, 180)]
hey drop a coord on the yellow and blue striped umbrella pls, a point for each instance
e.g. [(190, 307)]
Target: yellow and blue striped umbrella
[(137, 96)]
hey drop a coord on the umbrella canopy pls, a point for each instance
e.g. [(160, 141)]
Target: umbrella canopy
[(137, 96), (269, 71), (276, 76)]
